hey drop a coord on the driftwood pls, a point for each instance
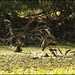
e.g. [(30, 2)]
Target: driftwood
[(40, 54), (53, 51), (73, 52), (67, 51), (60, 51)]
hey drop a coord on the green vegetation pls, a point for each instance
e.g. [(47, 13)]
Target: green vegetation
[(33, 21), (23, 63), (41, 71), (31, 31)]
